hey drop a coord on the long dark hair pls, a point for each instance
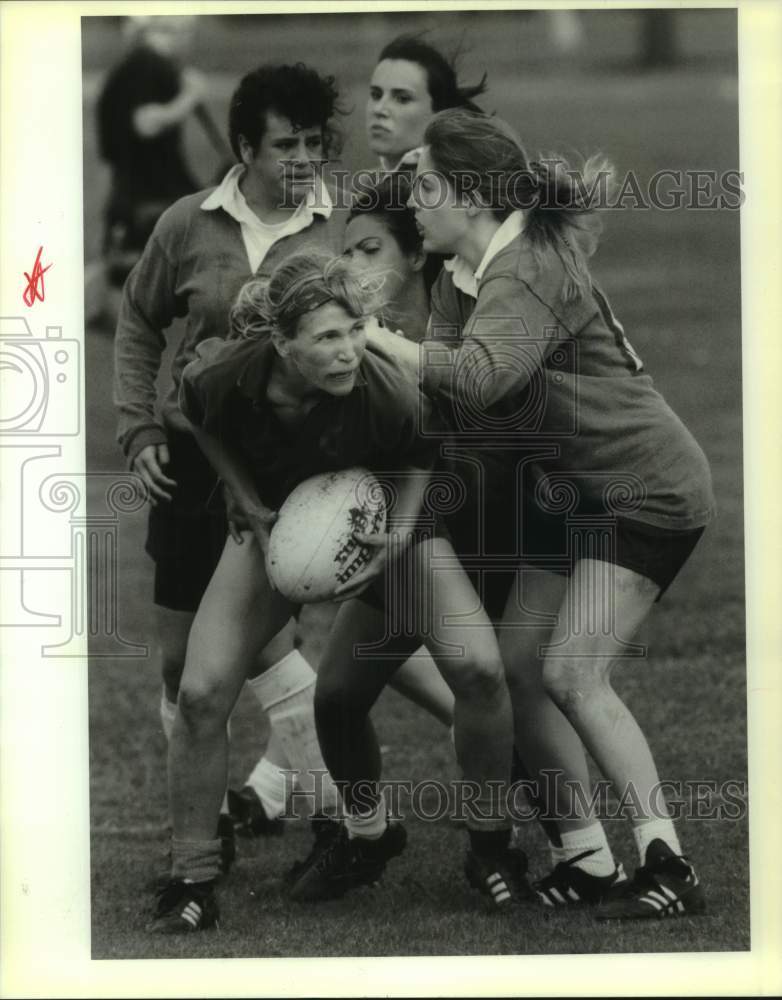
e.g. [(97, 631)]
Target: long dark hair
[(441, 77), (481, 156)]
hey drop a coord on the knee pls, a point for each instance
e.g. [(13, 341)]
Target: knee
[(573, 681), (479, 678), (203, 707)]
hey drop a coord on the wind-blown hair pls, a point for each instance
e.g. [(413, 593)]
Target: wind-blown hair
[(442, 82), (482, 158), (298, 285)]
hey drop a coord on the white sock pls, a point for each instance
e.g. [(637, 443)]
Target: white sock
[(167, 714), (285, 692), (660, 828), (592, 838), (271, 786), (370, 826)]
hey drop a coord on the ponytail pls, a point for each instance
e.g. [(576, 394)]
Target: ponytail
[(563, 216)]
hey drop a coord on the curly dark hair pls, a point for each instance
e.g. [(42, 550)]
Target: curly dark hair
[(298, 93)]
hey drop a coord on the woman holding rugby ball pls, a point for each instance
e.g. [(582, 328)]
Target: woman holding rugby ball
[(299, 393), (527, 353)]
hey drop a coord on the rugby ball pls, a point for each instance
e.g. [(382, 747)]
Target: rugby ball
[(312, 550)]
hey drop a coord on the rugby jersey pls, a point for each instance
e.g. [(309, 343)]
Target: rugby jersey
[(526, 368), (377, 425)]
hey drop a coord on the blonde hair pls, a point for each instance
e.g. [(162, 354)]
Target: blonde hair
[(481, 156), (298, 285)]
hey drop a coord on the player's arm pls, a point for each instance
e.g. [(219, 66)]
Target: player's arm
[(512, 331), (149, 120), (237, 480), (148, 307)]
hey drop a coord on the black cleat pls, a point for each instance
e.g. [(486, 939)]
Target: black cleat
[(185, 907), (249, 816), (569, 885), (324, 829), (343, 864), (501, 877), (665, 886)]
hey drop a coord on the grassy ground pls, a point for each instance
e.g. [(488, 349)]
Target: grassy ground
[(674, 279)]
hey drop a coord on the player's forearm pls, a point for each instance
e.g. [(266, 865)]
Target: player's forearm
[(411, 486), (150, 120), (147, 309), (231, 470)]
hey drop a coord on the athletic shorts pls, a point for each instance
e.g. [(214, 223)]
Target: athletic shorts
[(556, 543), (186, 536)]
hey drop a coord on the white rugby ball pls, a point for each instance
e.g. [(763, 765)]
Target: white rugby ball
[(312, 550)]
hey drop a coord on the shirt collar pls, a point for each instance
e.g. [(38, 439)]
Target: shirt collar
[(463, 276), (228, 196), (408, 162)]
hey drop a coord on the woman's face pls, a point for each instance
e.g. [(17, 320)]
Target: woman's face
[(327, 349), (441, 216), (371, 249), (398, 109)]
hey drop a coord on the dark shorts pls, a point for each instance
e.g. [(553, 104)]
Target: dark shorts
[(556, 543), (186, 536)]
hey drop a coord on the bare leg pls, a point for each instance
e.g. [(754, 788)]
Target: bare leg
[(238, 615), (420, 681), (469, 659), (545, 738), (577, 669)]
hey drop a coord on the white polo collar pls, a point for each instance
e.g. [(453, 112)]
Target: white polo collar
[(463, 276), (228, 196)]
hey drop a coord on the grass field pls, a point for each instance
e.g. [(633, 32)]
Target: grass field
[(674, 279)]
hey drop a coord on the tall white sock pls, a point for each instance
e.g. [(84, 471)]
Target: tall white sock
[(660, 828), (286, 692), (591, 838), (271, 786)]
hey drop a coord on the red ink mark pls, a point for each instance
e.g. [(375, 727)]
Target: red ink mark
[(32, 292)]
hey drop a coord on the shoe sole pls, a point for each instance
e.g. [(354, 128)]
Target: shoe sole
[(694, 904)]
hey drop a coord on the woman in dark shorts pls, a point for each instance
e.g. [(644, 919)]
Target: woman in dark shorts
[(296, 394), (602, 491)]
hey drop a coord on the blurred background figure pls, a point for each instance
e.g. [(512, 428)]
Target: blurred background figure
[(565, 30), (144, 102)]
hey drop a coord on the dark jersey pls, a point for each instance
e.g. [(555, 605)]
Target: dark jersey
[(377, 425)]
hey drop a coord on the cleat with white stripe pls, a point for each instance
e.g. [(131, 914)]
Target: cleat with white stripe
[(665, 886), (503, 878), (184, 907), (569, 885)]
